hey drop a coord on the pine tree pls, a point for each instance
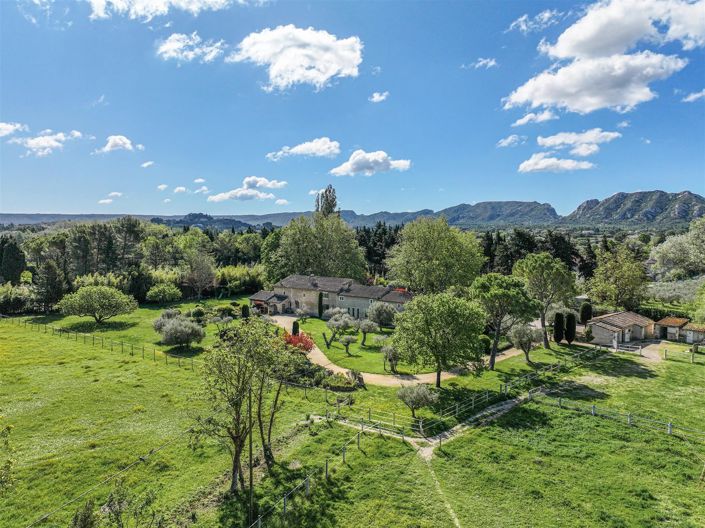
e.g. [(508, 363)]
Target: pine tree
[(12, 263), (50, 284)]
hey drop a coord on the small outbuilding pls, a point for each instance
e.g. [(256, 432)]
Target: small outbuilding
[(620, 327), (670, 328), (269, 302), (694, 332)]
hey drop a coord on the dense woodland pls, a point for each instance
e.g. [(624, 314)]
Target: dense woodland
[(38, 267)]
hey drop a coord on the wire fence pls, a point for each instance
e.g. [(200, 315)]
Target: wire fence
[(626, 418)]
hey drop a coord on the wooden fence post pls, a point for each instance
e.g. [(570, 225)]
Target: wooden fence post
[(308, 486), (326, 469), (284, 510), (343, 454), (670, 428)]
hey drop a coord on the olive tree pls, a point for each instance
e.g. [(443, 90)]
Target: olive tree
[(442, 331), (547, 280), (416, 397), (525, 337), (381, 313), (366, 327), (346, 341), (99, 302), (182, 332)]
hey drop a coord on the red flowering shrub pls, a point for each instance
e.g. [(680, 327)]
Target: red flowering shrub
[(301, 341)]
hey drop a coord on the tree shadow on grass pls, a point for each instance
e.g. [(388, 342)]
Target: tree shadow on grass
[(184, 352), (301, 510), (575, 390), (524, 418), (91, 327), (616, 366)]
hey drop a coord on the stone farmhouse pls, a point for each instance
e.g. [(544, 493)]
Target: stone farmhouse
[(307, 292), (620, 327), (671, 328)]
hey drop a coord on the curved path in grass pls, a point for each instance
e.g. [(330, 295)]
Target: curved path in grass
[(317, 357)]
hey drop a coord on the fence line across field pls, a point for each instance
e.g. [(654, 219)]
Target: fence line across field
[(627, 418)]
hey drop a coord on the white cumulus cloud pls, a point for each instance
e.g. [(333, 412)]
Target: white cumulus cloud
[(147, 164), (117, 142), (186, 48), (294, 55), (378, 97), (180, 189), (618, 82), (581, 143), (315, 192), (46, 142), (281, 201), (148, 9), (199, 180), (511, 141), (691, 98), (162, 187), (167, 200), (543, 162), (322, 147), (249, 190), (114, 194), (7, 129), (202, 190), (535, 117), (369, 163), (105, 201)]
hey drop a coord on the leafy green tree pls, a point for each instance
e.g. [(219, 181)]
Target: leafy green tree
[(506, 304), (558, 327), (12, 262), (548, 281), (326, 201), (99, 302), (682, 255), (200, 273), (432, 256), (249, 247), (416, 397), (525, 338), (620, 280), (124, 509), (50, 284), (440, 330), (587, 261), (346, 341), (163, 293), (321, 245), (570, 327)]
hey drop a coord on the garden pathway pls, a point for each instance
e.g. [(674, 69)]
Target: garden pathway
[(317, 357)]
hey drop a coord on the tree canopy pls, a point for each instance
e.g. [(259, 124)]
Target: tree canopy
[(547, 280), (99, 302), (506, 303), (441, 331), (432, 256), (619, 279)]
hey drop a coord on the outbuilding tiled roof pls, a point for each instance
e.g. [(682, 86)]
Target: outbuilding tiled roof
[(622, 319), (695, 327), (678, 322), (268, 296)]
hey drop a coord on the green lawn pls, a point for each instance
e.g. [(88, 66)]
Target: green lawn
[(543, 467), (365, 359), (136, 327)]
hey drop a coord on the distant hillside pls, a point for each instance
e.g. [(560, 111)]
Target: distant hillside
[(654, 207), (657, 208)]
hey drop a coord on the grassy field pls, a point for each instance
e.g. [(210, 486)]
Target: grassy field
[(80, 413), (543, 467), (365, 359), (136, 327)]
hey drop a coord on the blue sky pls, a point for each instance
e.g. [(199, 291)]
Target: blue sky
[(91, 91)]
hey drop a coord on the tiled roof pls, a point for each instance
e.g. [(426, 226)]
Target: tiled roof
[(267, 296), (622, 319), (343, 286), (695, 327), (673, 321)]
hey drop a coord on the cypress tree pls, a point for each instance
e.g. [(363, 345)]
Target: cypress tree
[(570, 325), (320, 304), (50, 284), (295, 328), (12, 263), (558, 327), (585, 312), (245, 311)]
